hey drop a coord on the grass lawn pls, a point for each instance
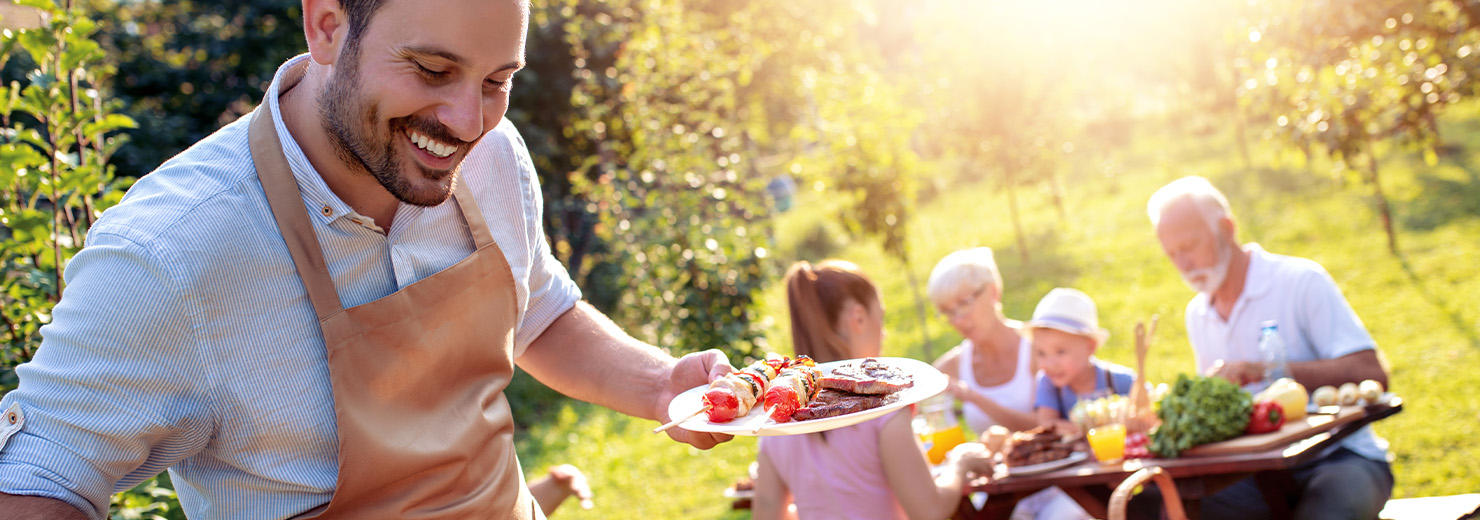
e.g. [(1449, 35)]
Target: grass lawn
[(1422, 308)]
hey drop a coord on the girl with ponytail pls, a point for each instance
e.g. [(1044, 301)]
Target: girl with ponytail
[(874, 469), (836, 312)]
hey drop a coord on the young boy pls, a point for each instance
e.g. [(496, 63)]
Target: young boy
[(1065, 330)]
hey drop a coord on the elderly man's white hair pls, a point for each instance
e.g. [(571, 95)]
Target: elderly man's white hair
[(967, 269), (1210, 202)]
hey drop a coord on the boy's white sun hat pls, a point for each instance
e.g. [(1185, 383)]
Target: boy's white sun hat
[(1068, 310)]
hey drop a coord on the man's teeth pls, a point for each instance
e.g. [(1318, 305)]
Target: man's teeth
[(432, 147)]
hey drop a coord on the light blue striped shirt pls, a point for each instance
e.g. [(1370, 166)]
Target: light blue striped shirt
[(186, 341)]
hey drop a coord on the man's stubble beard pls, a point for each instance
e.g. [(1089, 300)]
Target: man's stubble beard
[(340, 100)]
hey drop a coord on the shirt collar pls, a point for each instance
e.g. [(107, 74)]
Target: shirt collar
[(1257, 281), (322, 202)]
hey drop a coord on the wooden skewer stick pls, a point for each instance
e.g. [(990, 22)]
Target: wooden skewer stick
[(675, 422), (760, 422)]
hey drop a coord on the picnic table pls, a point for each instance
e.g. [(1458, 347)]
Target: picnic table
[(1090, 483)]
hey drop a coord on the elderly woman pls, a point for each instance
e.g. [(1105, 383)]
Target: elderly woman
[(992, 369)]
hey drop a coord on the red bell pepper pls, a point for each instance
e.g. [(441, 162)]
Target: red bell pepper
[(1267, 417)]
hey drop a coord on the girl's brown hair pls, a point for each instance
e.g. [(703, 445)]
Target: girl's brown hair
[(817, 296)]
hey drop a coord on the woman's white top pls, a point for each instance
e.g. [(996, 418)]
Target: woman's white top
[(1015, 394)]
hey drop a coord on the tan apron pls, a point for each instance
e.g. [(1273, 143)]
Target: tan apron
[(418, 376)]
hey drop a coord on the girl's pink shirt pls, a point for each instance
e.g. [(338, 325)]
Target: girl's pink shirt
[(840, 477)]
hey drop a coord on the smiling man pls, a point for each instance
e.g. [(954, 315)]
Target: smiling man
[(314, 312), (1239, 287)]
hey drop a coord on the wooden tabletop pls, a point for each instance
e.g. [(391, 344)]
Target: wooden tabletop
[(1089, 482)]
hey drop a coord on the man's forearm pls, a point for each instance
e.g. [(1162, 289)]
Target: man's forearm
[(586, 356), (1351, 368), (19, 507)]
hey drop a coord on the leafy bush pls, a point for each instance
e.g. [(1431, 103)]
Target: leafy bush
[(55, 179)]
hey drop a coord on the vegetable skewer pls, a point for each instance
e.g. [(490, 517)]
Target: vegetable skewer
[(791, 390), (737, 392)]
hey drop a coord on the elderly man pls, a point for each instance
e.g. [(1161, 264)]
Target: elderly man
[(314, 312), (1239, 287)]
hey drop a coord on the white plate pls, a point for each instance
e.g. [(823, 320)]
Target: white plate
[(928, 383), (731, 492), (1072, 459)]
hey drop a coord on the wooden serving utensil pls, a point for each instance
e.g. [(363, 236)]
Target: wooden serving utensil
[(1140, 400)]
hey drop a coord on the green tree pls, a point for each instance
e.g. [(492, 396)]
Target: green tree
[(1346, 75), (59, 133), (1003, 91), (186, 68), (61, 130), (678, 114)]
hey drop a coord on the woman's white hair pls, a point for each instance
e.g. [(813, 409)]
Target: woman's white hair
[(1210, 202), (967, 269)]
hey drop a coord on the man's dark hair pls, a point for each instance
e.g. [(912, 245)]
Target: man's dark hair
[(359, 12)]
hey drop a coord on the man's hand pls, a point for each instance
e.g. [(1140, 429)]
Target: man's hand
[(699, 368), (1239, 372)]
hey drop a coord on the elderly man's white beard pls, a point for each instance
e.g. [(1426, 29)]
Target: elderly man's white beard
[(1209, 279)]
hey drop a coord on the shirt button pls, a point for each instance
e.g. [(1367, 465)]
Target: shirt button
[(11, 418), (328, 210)]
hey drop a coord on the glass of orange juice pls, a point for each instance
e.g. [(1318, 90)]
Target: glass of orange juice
[(942, 440), (1108, 442)]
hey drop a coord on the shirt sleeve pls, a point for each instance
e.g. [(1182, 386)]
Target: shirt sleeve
[(1330, 325), (110, 398), (1046, 394), (551, 291), (1123, 379)]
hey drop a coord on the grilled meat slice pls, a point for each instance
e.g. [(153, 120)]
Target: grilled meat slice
[(869, 376), (1035, 446), (832, 403)]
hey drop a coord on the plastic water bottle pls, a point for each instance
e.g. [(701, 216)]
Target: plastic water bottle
[(1272, 350)]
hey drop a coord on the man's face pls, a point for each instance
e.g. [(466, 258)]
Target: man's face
[(1200, 253), (424, 82)]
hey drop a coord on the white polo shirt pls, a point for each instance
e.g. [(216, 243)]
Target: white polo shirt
[(1315, 321)]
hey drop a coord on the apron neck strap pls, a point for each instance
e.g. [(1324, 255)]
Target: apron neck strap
[(482, 237), (288, 210)]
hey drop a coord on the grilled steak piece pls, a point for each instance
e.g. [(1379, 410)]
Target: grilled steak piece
[(832, 403), (869, 376), (1035, 446)]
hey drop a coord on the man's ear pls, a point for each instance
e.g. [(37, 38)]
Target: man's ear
[(1229, 228), (326, 28)]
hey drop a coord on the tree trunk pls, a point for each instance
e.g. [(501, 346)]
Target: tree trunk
[(1013, 209), (1384, 210), (1058, 194), (920, 310), (1242, 136)]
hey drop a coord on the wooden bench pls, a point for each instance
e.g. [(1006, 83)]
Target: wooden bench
[(1454, 507)]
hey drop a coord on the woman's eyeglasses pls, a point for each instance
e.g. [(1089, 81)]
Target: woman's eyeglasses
[(961, 305)]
